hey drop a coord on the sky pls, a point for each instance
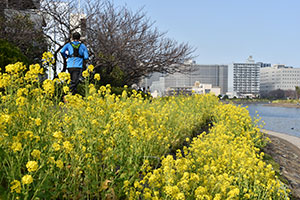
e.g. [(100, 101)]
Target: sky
[(227, 31)]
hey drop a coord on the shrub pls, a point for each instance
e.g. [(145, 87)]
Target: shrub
[(10, 54)]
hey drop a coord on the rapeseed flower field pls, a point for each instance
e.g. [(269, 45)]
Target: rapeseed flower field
[(107, 146)]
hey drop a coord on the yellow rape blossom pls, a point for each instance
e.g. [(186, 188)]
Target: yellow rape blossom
[(16, 186), (85, 74), (91, 68), (32, 166), (58, 134), (16, 146), (68, 146), (38, 121), (27, 179), (21, 101), (15, 68), (48, 86), (64, 76), (32, 74), (48, 58), (233, 193), (97, 77), (22, 91), (66, 89), (109, 130), (56, 146), (59, 164), (51, 160), (36, 154)]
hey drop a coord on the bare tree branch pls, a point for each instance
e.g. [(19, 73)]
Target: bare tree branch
[(122, 39), (123, 45), (63, 19)]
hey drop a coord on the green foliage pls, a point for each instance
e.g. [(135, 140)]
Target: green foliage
[(19, 30), (288, 101), (10, 54), (119, 90), (297, 88), (115, 77), (111, 73)]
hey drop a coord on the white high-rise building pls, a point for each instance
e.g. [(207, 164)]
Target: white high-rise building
[(279, 77), (246, 78), (78, 23)]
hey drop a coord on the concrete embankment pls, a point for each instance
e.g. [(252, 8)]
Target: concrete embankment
[(285, 150), (291, 139)]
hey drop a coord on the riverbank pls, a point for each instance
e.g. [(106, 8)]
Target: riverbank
[(287, 105), (264, 102), (245, 101), (285, 150)]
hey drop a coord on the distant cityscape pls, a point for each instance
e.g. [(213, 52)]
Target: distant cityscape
[(247, 79)]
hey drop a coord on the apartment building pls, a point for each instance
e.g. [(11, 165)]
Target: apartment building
[(279, 77), (246, 78)]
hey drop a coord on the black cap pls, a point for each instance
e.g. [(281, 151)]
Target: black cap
[(76, 36)]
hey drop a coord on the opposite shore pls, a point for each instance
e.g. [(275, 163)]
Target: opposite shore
[(288, 105), (277, 103)]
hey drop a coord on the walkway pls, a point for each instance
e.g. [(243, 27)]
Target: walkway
[(291, 139)]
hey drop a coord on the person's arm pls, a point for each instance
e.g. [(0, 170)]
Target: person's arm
[(64, 50), (85, 53), (85, 58), (64, 56), (64, 69)]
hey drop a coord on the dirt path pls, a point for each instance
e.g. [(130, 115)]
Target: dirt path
[(287, 155)]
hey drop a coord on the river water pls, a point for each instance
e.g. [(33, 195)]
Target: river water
[(278, 119)]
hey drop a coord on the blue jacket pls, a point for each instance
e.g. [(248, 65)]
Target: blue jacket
[(74, 62)]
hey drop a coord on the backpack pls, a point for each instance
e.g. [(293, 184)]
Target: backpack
[(76, 50)]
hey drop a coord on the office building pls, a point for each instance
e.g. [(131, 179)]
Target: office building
[(216, 75)]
